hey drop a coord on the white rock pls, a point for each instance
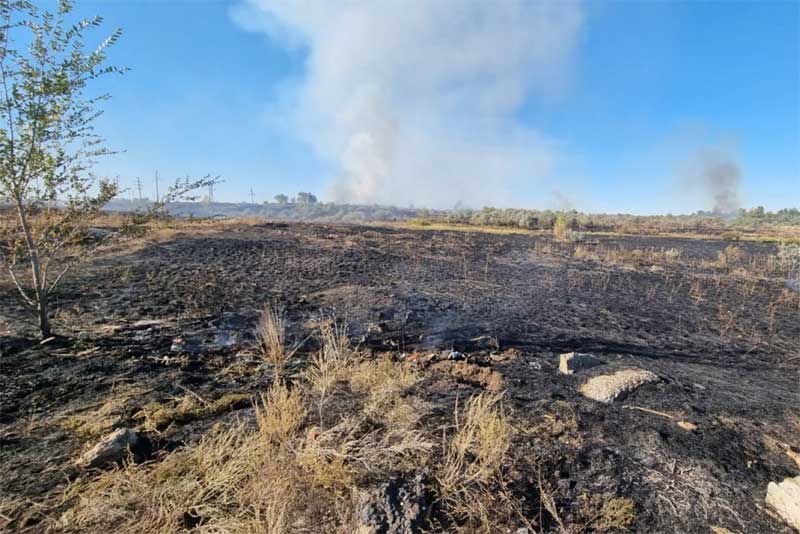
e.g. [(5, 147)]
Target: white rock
[(784, 498), (575, 361), (608, 388), (111, 447)]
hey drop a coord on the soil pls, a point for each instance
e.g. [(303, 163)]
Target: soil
[(177, 315)]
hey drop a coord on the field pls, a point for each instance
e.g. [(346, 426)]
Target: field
[(418, 384)]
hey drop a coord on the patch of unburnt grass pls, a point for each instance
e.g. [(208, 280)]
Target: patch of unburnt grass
[(156, 416), (312, 451)]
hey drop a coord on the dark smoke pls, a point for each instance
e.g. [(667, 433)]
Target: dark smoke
[(721, 175)]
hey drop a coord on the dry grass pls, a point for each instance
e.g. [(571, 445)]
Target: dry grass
[(157, 416), (271, 337), (276, 475), (624, 256), (329, 364), (385, 385), (603, 514), (235, 479), (121, 402), (730, 257), (473, 457), (280, 414), (229, 479)]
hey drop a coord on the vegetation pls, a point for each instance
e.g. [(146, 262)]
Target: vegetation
[(48, 145), (316, 444), (634, 224)]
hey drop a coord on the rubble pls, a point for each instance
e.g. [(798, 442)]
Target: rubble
[(608, 388), (784, 498), (112, 447), (572, 362)]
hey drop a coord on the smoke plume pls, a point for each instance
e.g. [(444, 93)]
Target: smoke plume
[(720, 175), (418, 102)]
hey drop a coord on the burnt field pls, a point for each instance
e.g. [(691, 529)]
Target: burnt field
[(159, 337)]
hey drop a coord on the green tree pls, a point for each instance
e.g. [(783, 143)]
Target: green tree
[(306, 198), (281, 199), (48, 145)]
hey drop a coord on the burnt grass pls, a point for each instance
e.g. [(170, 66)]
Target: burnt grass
[(177, 314)]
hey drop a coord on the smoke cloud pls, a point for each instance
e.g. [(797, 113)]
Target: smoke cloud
[(418, 102), (719, 173)]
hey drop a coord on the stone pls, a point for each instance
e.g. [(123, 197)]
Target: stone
[(399, 506), (687, 425), (571, 362), (608, 388), (111, 447), (784, 498)]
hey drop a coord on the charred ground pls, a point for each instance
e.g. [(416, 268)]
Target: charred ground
[(163, 317)]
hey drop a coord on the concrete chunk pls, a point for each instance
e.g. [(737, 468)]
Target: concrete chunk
[(575, 361), (608, 388), (784, 498), (110, 448)]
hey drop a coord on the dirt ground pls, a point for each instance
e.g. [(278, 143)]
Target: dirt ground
[(162, 317)]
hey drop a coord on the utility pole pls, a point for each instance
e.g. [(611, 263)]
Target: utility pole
[(139, 187), (210, 193), (252, 196), (157, 198)]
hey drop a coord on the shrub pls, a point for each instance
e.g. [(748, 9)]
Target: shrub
[(562, 230)]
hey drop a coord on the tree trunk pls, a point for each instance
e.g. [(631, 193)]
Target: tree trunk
[(44, 320), (39, 284)]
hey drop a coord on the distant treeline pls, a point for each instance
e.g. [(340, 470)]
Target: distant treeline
[(545, 220), (290, 211), (307, 208)]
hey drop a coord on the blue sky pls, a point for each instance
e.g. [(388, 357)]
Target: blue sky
[(644, 87)]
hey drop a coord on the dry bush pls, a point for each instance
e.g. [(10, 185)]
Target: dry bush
[(473, 457)]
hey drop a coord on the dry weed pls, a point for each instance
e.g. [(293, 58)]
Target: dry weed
[(271, 338), (280, 414), (473, 457), (329, 364)]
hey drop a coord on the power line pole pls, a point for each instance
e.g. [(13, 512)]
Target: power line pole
[(210, 193), (252, 196), (157, 198), (139, 187)]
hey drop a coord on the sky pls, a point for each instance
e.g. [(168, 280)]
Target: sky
[(604, 106)]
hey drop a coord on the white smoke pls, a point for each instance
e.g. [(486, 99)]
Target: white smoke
[(417, 102)]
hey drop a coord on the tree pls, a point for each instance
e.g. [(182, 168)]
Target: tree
[(306, 198), (48, 146), (281, 199)]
